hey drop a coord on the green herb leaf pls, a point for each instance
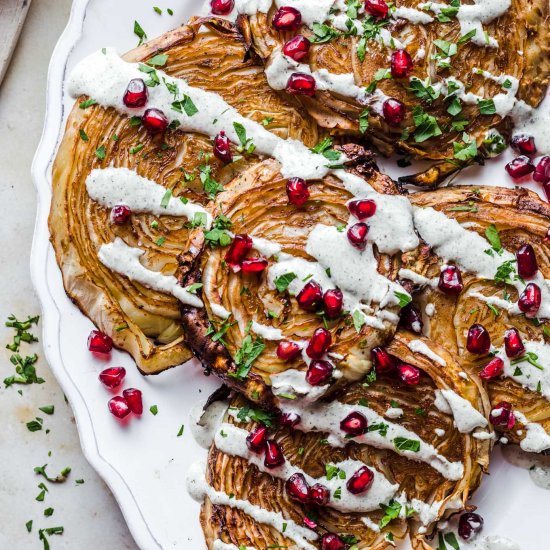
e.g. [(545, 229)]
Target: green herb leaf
[(154, 410), (87, 103), (491, 234), (391, 512), (404, 299), (140, 33), (404, 444), (486, 106), (100, 152), (283, 281)]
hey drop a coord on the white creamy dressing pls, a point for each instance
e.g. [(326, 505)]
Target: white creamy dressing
[(293, 382), (266, 332), (205, 422), (418, 279), (199, 489), (533, 122), (418, 346), (537, 465), (466, 417), (124, 259), (326, 418), (536, 439), (394, 413), (220, 545), (492, 542), (115, 186)]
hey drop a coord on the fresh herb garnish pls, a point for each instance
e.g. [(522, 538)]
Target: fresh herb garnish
[(140, 33), (405, 444), (283, 281)]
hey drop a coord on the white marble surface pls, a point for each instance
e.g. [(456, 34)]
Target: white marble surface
[(88, 512)]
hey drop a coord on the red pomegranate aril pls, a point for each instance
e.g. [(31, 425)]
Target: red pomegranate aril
[(289, 420), (308, 522), (254, 265), (120, 214), (411, 319), (297, 488), (112, 377), (319, 373), (527, 261), (319, 343), (530, 300), (360, 481), (134, 399), (469, 525), (542, 170), (119, 407), (273, 454), (524, 144), (513, 343), (401, 64), (99, 342), (503, 416), (450, 280), (493, 369), (333, 302), (357, 235), (287, 350), (377, 8), (240, 247), (408, 374), (362, 209), (287, 19), (354, 424), (310, 297), (319, 495), (301, 84), (222, 148), (393, 111), (479, 340), (520, 167), (297, 191), (154, 120), (297, 48), (330, 541), (136, 94), (222, 7), (383, 361), (256, 439)]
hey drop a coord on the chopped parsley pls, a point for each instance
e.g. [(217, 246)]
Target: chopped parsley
[(531, 358), (154, 410), (87, 103), (491, 234), (249, 351), (248, 414), (391, 512), (283, 281), (100, 152), (426, 125), (325, 148), (185, 105), (140, 33), (217, 235), (486, 106), (210, 185), (405, 444), (61, 478), (404, 299), (247, 145), (465, 150)]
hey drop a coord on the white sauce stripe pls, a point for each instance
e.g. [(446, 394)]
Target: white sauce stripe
[(418, 346), (466, 417)]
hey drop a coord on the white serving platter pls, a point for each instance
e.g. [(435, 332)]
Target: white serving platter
[(143, 461)]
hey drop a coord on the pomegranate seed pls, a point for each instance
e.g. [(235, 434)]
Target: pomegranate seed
[(360, 481), (354, 424), (222, 7), (408, 374), (411, 319), (297, 48), (134, 400), (493, 369), (112, 377), (524, 144), (297, 488), (301, 84), (120, 214), (530, 300), (333, 301), (319, 495), (319, 372), (256, 439), (240, 247), (136, 94), (513, 344), (469, 525), (319, 343), (542, 170), (393, 111), (287, 350), (502, 416), (357, 235), (519, 167), (383, 361), (377, 8), (273, 454), (287, 19), (310, 523), (154, 120), (289, 420), (401, 64), (310, 297), (119, 407), (222, 148), (527, 261), (99, 342), (450, 280), (362, 209), (297, 191), (254, 265), (479, 340), (331, 541)]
